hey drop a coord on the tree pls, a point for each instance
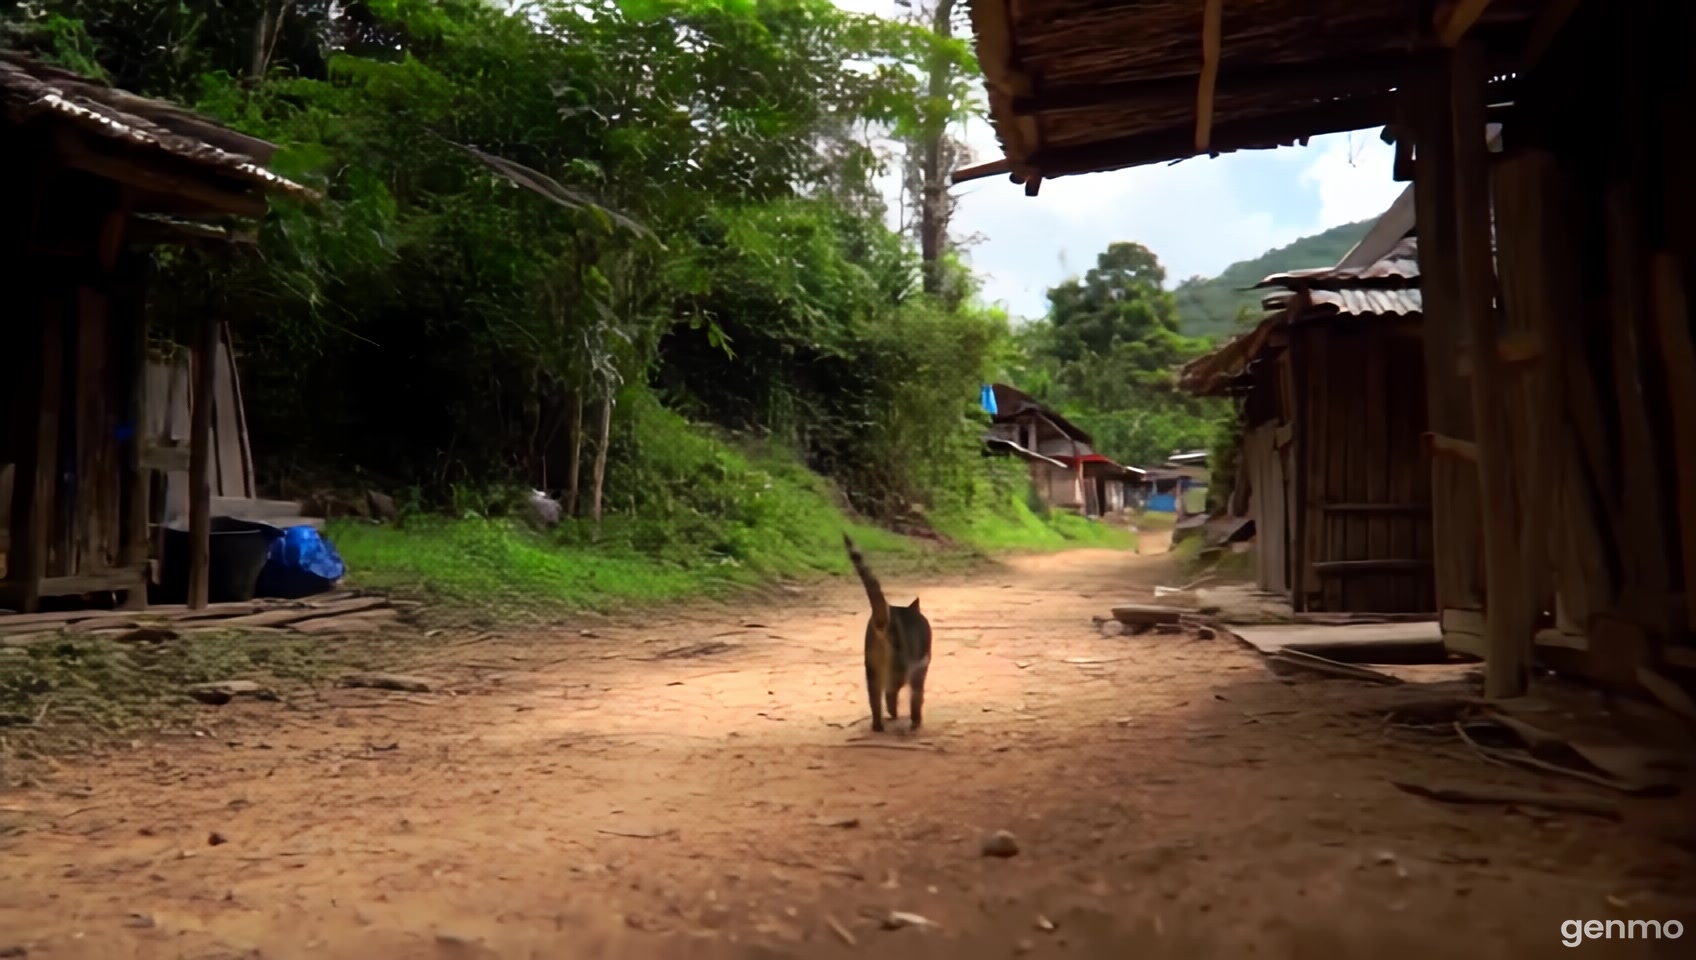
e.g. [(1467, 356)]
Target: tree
[(1105, 355)]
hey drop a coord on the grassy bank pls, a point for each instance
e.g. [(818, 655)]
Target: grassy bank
[(716, 518)]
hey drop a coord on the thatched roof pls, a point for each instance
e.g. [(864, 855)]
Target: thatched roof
[(120, 128), (1077, 86)]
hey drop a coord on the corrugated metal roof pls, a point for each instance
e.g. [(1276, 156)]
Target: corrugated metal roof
[(1366, 302), (26, 94), (1399, 267)]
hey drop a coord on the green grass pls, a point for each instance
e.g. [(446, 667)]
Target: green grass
[(713, 517), (63, 692)]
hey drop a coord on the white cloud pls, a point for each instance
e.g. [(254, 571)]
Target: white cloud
[(1198, 216), (1352, 172)]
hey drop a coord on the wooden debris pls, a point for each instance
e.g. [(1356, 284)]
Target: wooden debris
[(1307, 662), (389, 681), (842, 932), (221, 692), (1562, 803), (898, 919), (1146, 614), (369, 621)]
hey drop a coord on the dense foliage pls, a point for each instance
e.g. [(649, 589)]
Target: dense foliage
[(1222, 305), (696, 222), (1106, 353), (609, 247)]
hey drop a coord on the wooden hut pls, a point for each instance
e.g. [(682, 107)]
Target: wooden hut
[(1559, 362), (92, 176), (1066, 472), (1332, 402)]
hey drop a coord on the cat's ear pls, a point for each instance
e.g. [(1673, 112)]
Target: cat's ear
[(914, 605)]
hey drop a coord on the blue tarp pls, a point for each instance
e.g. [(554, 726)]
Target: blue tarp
[(301, 564), (1162, 503), (986, 398)]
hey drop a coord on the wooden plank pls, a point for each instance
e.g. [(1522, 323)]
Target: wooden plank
[(1451, 447), (1510, 611), (1300, 464), (1377, 565), (250, 482), (1453, 484), (1377, 508), (200, 470), (231, 471), (1211, 14), (1645, 552), (1342, 386), (137, 486), (34, 490), (1454, 18), (1372, 476), (1678, 357)]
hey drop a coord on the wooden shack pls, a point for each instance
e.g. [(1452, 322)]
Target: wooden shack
[(1331, 396), (1066, 471), (92, 177), (1559, 361)]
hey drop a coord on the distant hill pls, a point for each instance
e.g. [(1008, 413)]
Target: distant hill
[(1207, 307)]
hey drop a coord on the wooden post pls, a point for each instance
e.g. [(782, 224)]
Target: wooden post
[(133, 552), (1510, 611), (200, 462)]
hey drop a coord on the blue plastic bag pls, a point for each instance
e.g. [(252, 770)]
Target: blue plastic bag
[(301, 564), (986, 397)]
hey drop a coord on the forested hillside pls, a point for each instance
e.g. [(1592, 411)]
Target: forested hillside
[(1210, 306), (630, 252)]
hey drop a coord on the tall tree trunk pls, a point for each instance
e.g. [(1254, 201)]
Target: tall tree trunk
[(933, 202), (575, 473), (601, 462)]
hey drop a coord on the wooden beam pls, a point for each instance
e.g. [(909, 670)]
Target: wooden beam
[(1551, 20), (1179, 142), (1353, 75), (1375, 507), (1451, 447), (200, 461), (1678, 355), (1454, 20), (34, 490), (993, 168), (203, 190), (1211, 15), (1345, 568), (1511, 611)]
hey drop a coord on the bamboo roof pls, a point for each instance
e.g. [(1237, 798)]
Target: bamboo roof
[(1078, 86), (129, 127)]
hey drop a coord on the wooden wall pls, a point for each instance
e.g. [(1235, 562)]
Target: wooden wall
[(1365, 541), (75, 386), (1580, 335)]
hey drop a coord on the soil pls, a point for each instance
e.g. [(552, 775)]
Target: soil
[(703, 785)]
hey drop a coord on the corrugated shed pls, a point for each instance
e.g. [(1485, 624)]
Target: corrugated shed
[(1399, 268), (29, 89)]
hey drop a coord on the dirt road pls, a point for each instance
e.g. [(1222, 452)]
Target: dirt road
[(595, 797)]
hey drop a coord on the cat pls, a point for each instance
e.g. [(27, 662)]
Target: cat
[(897, 649)]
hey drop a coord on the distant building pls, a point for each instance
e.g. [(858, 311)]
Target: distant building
[(1065, 469)]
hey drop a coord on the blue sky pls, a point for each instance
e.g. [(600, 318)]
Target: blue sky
[(1198, 217)]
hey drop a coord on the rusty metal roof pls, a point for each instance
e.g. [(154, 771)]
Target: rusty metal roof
[(29, 89), (1354, 302), (1398, 268)]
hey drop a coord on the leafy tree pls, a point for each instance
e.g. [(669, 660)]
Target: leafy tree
[(1105, 355), (540, 217)]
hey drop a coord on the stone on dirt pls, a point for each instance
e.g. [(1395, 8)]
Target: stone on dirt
[(220, 692), (1000, 844), (390, 681)]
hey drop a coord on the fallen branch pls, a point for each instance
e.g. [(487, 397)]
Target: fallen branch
[(1516, 798)]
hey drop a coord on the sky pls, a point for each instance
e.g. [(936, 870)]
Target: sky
[(1198, 217)]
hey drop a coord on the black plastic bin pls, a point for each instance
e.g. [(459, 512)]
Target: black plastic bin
[(239, 551)]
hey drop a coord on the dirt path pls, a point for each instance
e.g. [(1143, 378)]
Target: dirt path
[(590, 797)]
